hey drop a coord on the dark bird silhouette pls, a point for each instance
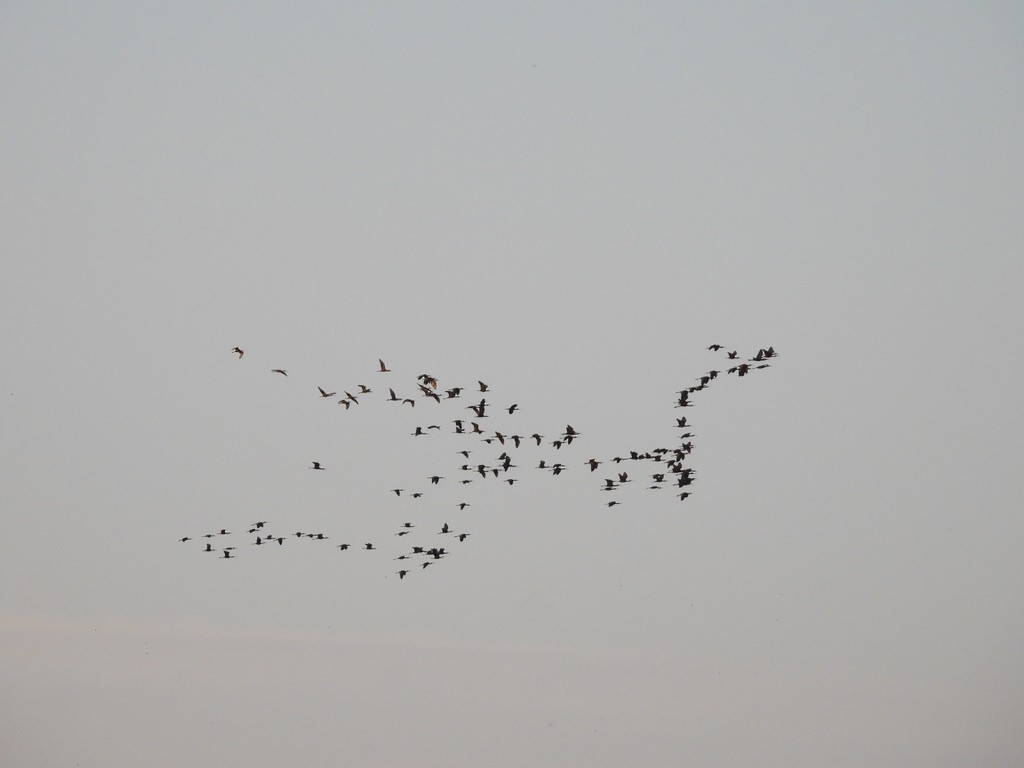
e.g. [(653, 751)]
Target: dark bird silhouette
[(715, 347), (343, 547), (483, 387), (238, 351), (383, 368), (279, 370), (392, 395), (462, 536), (316, 465), (185, 538), (593, 464), (325, 393), (401, 574), (368, 545), (513, 408), (435, 479)]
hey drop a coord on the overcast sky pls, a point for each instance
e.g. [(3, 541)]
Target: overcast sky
[(570, 202)]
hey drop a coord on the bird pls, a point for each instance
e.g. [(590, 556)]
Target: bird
[(368, 545), (715, 347), (513, 408), (383, 368), (392, 395), (279, 370), (483, 387), (325, 393), (462, 536), (316, 465), (593, 463), (401, 574), (238, 351), (185, 538)]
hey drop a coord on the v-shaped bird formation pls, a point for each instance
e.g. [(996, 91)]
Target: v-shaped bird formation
[(488, 456)]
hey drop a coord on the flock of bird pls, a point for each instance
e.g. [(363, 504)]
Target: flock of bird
[(489, 454)]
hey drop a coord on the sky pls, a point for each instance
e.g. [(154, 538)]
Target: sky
[(569, 202)]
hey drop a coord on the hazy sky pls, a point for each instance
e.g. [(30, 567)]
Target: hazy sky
[(569, 201)]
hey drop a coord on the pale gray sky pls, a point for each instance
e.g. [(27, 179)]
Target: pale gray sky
[(569, 203)]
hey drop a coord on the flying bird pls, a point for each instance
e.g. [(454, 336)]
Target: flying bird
[(383, 368), (316, 465), (279, 370), (238, 351)]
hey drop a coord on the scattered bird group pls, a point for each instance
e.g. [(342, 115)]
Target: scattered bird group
[(657, 468)]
